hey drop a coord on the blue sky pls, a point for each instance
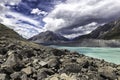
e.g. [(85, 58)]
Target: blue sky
[(70, 18)]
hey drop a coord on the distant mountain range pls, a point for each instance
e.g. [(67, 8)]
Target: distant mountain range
[(107, 35), (48, 37), (106, 32)]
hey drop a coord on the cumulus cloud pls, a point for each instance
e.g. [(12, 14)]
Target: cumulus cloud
[(81, 16), (38, 12)]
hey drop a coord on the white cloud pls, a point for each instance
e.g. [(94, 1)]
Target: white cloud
[(89, 27), (56, 22), (3, 8), (24, 29), (27, 31), (71, 36), (24, 25), (21, 17), (76, 14), (38, 12), (10, 1), (86, 29)]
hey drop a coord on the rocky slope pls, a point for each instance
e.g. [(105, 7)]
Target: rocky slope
[(107, 32), (23, 60), (8, 33), (48, 37)]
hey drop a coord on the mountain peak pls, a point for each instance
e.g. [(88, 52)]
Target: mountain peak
[(48, 37), (48, 32)]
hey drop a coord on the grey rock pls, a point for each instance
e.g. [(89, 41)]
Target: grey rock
[(43, 63), (28, 70), (53, 63), (3, 77), (27, 53), (41, 75), (19, 76), (10, 52), (72, 68), (16, 75), (12, 63), (44, 73), (3, 51), (107, 73), (54, 78)]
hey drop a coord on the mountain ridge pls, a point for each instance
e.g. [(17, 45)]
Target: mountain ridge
[(108, 31)]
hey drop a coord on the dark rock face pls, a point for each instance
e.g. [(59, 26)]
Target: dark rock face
[(28, 61)]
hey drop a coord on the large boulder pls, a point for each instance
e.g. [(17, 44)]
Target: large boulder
[(3, 77), (27, 53), (108, 73), (44, 73), (3, 51), (28, 70), (71, 68), (19, 76), (57, 52), (53, 63), (43, 63), (13, 63)]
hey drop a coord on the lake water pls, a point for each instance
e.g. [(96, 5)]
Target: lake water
[(108, 54)]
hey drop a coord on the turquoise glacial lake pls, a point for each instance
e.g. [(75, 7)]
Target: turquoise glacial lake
[(108, 54)]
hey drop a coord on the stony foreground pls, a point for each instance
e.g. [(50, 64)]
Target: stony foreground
[(21, 60)]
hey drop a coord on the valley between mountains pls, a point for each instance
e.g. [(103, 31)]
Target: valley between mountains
[(107, 35)]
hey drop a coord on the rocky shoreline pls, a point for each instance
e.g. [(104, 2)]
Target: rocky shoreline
[(23, 60)]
